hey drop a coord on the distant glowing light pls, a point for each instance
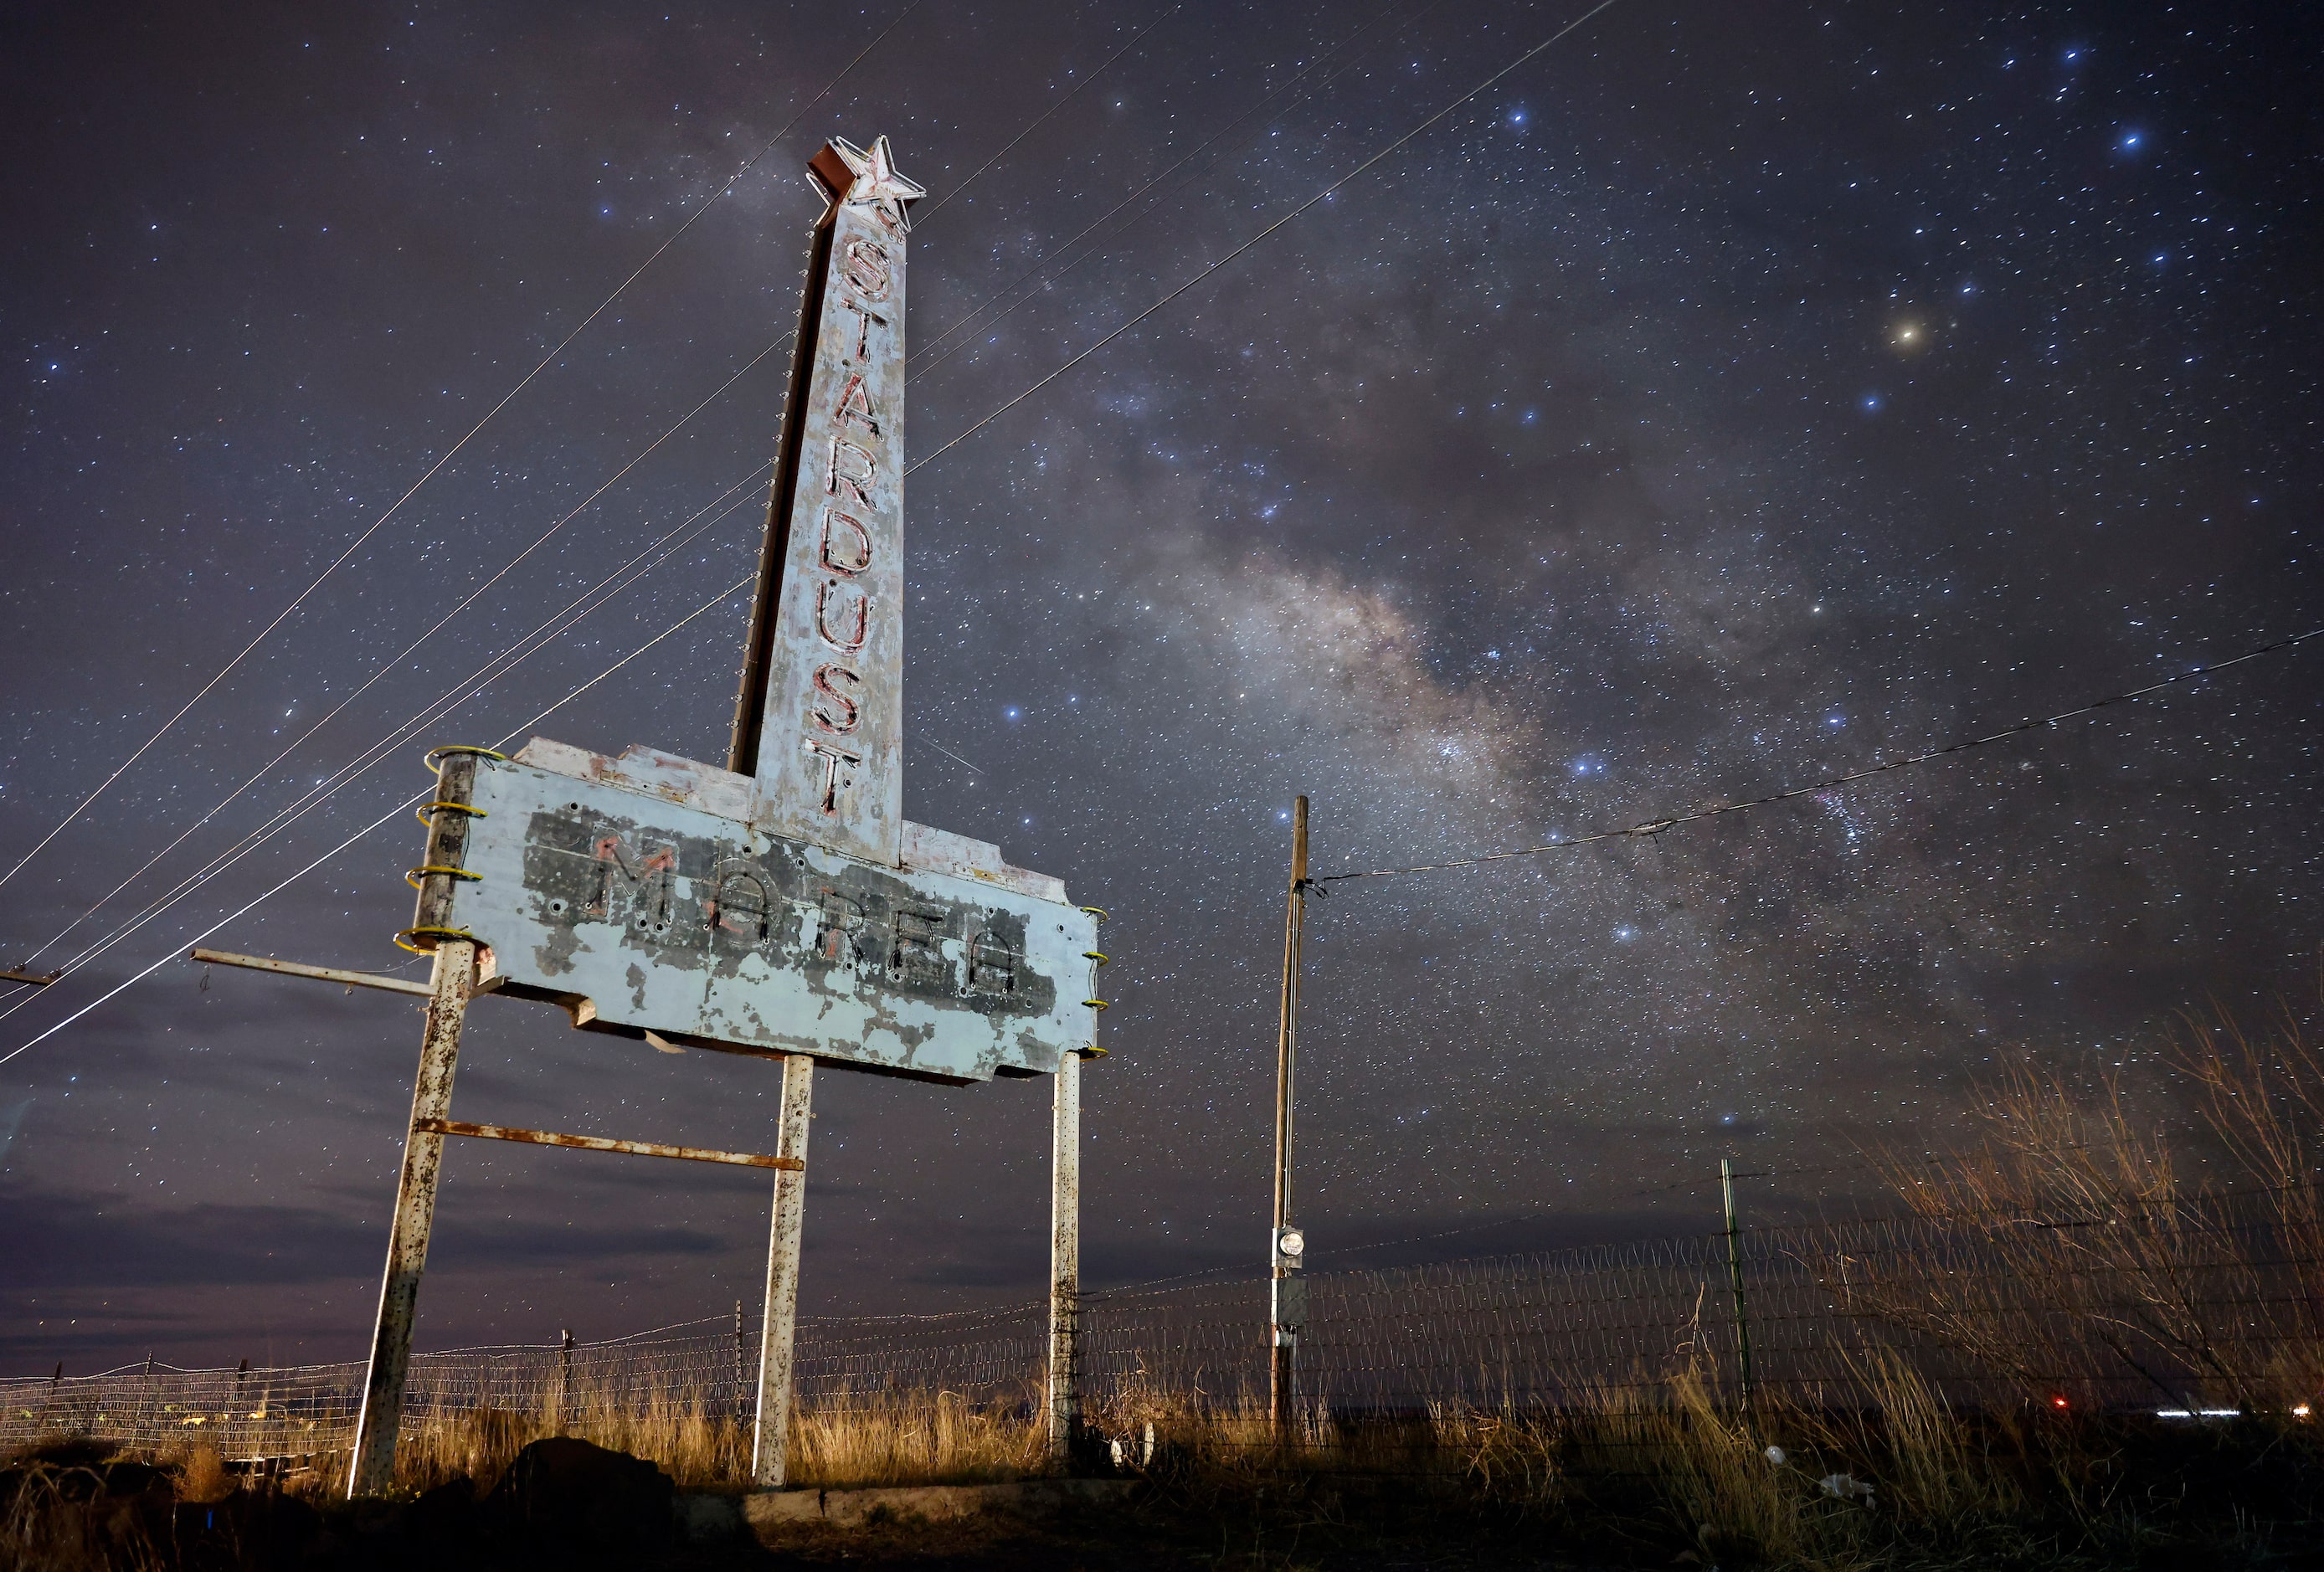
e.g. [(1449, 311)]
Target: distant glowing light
[(1626, 934), (1010, 712)]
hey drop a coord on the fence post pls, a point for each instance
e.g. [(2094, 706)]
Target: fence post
[(1734, 1274), (770, 1439), (1064, 1261), (564, 1376)]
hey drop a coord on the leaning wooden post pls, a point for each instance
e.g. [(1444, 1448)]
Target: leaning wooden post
[(452, 979), (770, 1438), (1064, 1261)]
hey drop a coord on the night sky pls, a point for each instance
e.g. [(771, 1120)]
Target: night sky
[(1729, 396)]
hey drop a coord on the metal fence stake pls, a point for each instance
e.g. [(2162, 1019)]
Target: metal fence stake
[(770, 1439), (1735, 1274), (564, 1378), (452, 979), (1064, 1261), (742, 1364)]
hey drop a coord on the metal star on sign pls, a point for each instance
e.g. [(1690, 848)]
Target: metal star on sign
[(877, 183)]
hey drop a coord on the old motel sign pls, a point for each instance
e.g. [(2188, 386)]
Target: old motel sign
[(781, 905)]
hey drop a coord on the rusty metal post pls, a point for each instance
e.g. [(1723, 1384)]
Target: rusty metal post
[(450, 983), (770, 1440), (1065, 1263), (1286, 1306)]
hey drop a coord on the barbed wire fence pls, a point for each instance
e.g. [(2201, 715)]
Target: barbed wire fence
[(2174, 1307)]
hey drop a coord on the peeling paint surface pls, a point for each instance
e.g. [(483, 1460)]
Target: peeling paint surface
[(639, 913)]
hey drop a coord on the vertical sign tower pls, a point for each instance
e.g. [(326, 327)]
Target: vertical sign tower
[(819, 720)]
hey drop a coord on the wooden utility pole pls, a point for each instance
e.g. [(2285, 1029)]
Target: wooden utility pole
[(1287, 1297), (1064, 1261), (771, 1435)]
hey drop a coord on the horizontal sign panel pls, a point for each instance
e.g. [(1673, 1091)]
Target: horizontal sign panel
[(639, 913)]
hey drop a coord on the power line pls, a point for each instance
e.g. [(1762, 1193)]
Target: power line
[(1653, 827), (374, 527), (1368, 163), (737, 587), (1213, 140), (369, 758), (395, 661), (1042, 119)]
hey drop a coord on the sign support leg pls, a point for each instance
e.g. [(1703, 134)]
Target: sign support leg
[(1064, 1261), (449, 984), (770, 1442)]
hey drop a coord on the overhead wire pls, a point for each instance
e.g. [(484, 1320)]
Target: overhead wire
[(395, 661), (377, 524), (1653, 827), (1042, 119), (737, 587), (1211, 268), (467, 689), (925, 365)]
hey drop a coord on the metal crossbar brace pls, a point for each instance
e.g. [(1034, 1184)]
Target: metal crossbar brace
[(319, 973), (601, 1143)]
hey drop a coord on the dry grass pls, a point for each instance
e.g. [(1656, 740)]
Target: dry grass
[(2216, 1267), (897, 1438), (1891, 1474)]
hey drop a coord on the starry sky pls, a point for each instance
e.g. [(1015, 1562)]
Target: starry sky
[(1726, 397)]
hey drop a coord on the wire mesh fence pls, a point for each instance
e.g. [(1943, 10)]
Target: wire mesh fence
[(2173, 1307)]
